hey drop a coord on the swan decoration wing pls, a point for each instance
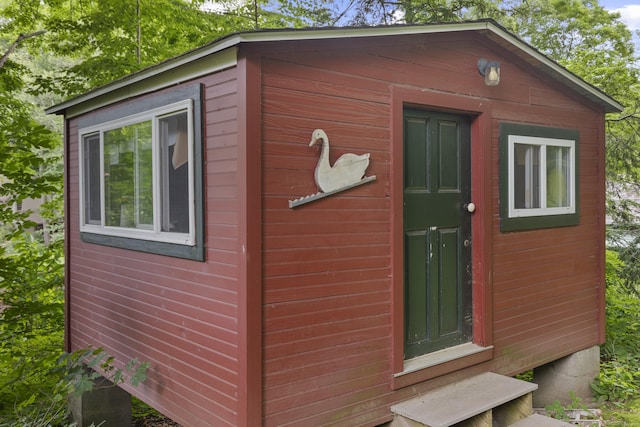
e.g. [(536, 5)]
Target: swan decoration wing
[(346, 172)]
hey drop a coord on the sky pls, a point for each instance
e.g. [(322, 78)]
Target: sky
[(629, 10)]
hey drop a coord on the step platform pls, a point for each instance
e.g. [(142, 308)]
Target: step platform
[(487, 399), (537, 420)]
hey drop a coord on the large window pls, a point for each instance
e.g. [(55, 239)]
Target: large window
[(538, 177), (138, 186)]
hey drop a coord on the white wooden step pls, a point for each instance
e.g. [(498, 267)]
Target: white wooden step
[(537, 420), (462, 400)]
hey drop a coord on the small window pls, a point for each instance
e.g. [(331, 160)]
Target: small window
[(540, 170), (538, 177), (139, 182)]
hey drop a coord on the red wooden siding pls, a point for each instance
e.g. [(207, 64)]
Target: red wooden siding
[(327, 266), (179, 315), (548, 283)]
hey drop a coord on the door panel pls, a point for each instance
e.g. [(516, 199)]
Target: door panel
[(437, 231)]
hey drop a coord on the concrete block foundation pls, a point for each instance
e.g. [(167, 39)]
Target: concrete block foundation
[(106, 406), (572, 374)]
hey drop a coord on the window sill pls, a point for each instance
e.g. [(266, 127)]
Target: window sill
[(141, 234), (441, 362), (195, 252), (538, 222)]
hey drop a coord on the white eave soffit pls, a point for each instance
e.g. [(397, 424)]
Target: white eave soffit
[(222, 54)]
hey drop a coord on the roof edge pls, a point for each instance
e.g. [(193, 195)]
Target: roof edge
[(231, 42), (606, 100)]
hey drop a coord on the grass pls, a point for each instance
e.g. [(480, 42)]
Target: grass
[(626, 414)]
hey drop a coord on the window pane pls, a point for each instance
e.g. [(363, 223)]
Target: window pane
[(175, 173), (128, 176), (557, 177), (526, 176), (144, 179), (91, 169)]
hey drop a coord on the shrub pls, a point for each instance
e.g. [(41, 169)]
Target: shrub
[(74, 374), (619, 379)]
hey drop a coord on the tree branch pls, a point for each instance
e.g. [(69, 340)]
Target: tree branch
[(15, 44), (625, 117)]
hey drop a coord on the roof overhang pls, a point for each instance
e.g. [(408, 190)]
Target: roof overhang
[(222, 54)]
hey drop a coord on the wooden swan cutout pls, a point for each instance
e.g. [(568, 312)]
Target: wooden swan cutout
[(346, 172)]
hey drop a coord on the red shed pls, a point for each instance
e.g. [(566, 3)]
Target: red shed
[(461, 234)]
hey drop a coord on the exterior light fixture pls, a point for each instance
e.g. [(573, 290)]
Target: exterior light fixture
[(490, 70)]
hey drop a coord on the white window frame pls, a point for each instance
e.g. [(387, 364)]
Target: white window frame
[(155, 232), (543, 143)]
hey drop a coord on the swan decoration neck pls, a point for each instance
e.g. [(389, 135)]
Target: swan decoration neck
[(346, 172)]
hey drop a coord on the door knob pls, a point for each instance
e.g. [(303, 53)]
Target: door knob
[(471, 207)]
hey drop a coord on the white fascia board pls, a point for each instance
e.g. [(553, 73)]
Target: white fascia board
[(360, 32), (169, 73)]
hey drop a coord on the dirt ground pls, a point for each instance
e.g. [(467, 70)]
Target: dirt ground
[(154, 421)]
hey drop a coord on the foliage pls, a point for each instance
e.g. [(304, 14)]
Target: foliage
[(31, 263), (560, 412), (256, 14), (74, 374), (140, 410), (31, 323), (31, 320), (381, 12), (625, 239), (623, 316), (80, 369), (525, 376), (582, 36), (27, 148), (627, 416), (114, 38), (110, 39), (34, 380), (619, 379)]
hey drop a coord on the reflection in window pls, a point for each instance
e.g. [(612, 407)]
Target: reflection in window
[(128, 176), (175, 178), (557, 177), (541, 176), (137, 176), (526, 176), (538, 177)]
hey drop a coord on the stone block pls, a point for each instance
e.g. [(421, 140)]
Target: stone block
[(572, 374), (105, 406)]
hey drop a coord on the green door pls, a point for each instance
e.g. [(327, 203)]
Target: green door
[(437, 231)]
